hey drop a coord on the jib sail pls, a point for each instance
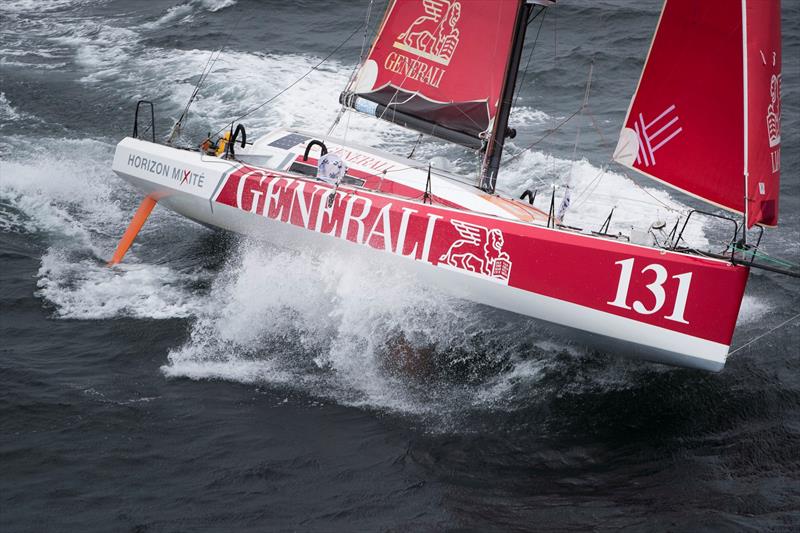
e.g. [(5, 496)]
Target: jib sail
[(705, 117)]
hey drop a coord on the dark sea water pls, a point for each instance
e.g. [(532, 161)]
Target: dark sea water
[(214, 383)]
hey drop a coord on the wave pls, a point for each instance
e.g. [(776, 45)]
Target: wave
[(354, 330), (64, 192), (42, 6), (8, 113), (351, 330), (86, 289), (184, 13)]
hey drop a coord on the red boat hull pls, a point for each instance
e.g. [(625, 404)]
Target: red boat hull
[(660, 305)]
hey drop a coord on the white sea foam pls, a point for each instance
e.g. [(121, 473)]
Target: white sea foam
[(62, 186), (275, 313), (64, 190), (325, 323), (184, 13), (7, 112), (753, 309), (360, 332), (41, 6), (88, 289), (528, 117)]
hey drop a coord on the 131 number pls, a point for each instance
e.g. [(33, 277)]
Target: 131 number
[(656, 288)]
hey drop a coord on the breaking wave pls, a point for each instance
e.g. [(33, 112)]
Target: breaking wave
[(65, 194), (184, 13), (354, 331)]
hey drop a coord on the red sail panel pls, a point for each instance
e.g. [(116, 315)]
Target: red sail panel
[(685, 125), (763, 19), (706, 115), (442, 61)]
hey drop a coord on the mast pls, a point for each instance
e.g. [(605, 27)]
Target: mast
[(745, 113), (494, 146)]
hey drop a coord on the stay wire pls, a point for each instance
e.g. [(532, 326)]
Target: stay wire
[(530, 55), (295, 82), (208, 68), (343, 108), (545, 136), (742, 347), (543, 12)]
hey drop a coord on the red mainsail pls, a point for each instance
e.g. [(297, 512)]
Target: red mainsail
[(440, 62), (705, 117)]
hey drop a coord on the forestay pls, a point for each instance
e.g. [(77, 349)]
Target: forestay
[(705, 117)]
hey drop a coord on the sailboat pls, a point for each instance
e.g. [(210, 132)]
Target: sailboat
[(704, 119)]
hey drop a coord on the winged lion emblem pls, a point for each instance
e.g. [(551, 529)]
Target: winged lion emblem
[(478, 250)]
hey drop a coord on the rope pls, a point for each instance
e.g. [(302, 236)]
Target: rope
[(742, 347), (528, 62), (207, 69), (352, 76), (543, 137), (295, 82), (767, 257), (587, 192), (203, 76)]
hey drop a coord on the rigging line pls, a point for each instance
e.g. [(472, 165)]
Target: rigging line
[(767, 257), (414, 148), (545, 136), (764, 334), (346, 127), (494, 140), (530, 54), (392, 101), (295, 82), (629, 199), (596, 127), (586, 193), (207, 70), (568, 184), (457, 108), (666, 206), (203, 75), (366, 32), (353, 72)]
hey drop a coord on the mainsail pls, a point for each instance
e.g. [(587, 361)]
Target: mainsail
[(705, 117), (439, 67)]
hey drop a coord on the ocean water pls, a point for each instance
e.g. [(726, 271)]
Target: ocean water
[(215, 383)]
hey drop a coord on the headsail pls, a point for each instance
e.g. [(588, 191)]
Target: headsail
[(705, 117), (438, 66)]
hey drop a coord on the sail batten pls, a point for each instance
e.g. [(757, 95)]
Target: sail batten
[(438, 66), (706, 103)]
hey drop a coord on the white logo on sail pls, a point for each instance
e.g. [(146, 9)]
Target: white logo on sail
[(655, 134), (774, 111), (433, 36), (479, 250)]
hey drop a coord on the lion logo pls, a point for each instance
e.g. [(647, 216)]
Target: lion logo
[(479, 250), (434, 35)]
